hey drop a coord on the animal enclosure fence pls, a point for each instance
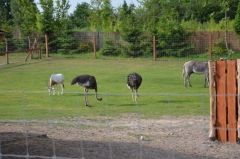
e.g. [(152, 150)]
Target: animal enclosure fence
[(225, 100), (195, 45)]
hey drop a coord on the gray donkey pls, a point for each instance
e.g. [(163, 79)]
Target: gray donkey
[(190, 67)]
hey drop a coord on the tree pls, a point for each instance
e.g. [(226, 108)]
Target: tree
[(79, 18), (47, 16), (24, 16), (131, 30), (107, 17), (237, 21), (61, 15), (95, 18), (5, 15)]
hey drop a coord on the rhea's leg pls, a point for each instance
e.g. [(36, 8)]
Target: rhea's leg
[(135, 95), (85, 97), (133, 98), (62, 88)]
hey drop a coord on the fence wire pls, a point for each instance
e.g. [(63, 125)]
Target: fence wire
[(197, 44), (52, 132), (105, 137)]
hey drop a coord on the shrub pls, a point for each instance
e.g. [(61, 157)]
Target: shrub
[(110, 49), (85, 47), (219, 48)]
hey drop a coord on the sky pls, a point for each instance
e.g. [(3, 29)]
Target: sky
[(115, 3)]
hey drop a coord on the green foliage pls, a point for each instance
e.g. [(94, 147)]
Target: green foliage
[(24, 16), (79, 18), (173, 39), (85, 47), (5, 15), (219, 48), (237, 21), (47, 19), (110, 49)]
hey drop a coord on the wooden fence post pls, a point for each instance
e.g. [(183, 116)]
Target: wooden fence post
[(154, 48), (6, 53), (94, 47), (238, 98), (231, 100), (46, 45), (221, 88), (213, 106), (210, 46)]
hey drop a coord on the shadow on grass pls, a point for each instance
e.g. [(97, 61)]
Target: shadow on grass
[(14, 143), (15, 65), (126, 105), (173, 101)]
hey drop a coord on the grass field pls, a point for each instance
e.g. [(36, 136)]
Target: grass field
[(23, 89)]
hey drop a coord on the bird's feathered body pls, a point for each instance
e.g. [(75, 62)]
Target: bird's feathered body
[(134, 81), (88, 82)]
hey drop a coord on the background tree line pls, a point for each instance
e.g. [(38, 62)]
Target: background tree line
[(170, 20)]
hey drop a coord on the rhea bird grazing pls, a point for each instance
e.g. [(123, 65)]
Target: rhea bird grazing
[(87, 82), (134, 81), (55, 79)]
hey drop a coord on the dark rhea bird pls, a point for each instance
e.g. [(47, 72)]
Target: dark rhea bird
[(134, 81), (87, 82)]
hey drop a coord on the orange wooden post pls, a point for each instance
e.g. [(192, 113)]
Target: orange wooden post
[(154, 48), (231, 100), (46, 45), (210, 46), (94, 47), (213, 106), (238, 99), (221, 101)]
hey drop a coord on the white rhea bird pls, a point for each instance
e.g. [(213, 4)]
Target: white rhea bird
[(55, 79), (87, 82), (134, 81)]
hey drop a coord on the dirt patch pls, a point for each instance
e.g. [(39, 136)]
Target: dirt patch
[(126, 137)]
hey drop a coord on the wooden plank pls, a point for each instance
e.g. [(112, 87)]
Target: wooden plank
[(231, 100), (213, 106), (221, 101), (238, 102)]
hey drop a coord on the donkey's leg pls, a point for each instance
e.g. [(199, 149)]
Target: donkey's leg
[(189, 83), (185, 81), (206, 81)]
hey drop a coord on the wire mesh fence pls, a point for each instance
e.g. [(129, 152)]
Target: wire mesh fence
[(202, 45), (165, 123), (56, 133)]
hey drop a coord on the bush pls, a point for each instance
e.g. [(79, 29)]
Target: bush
[(110, 49), (85, 47), (219, 48)]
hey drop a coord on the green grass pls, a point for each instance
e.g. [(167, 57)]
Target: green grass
[(23, 89)]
